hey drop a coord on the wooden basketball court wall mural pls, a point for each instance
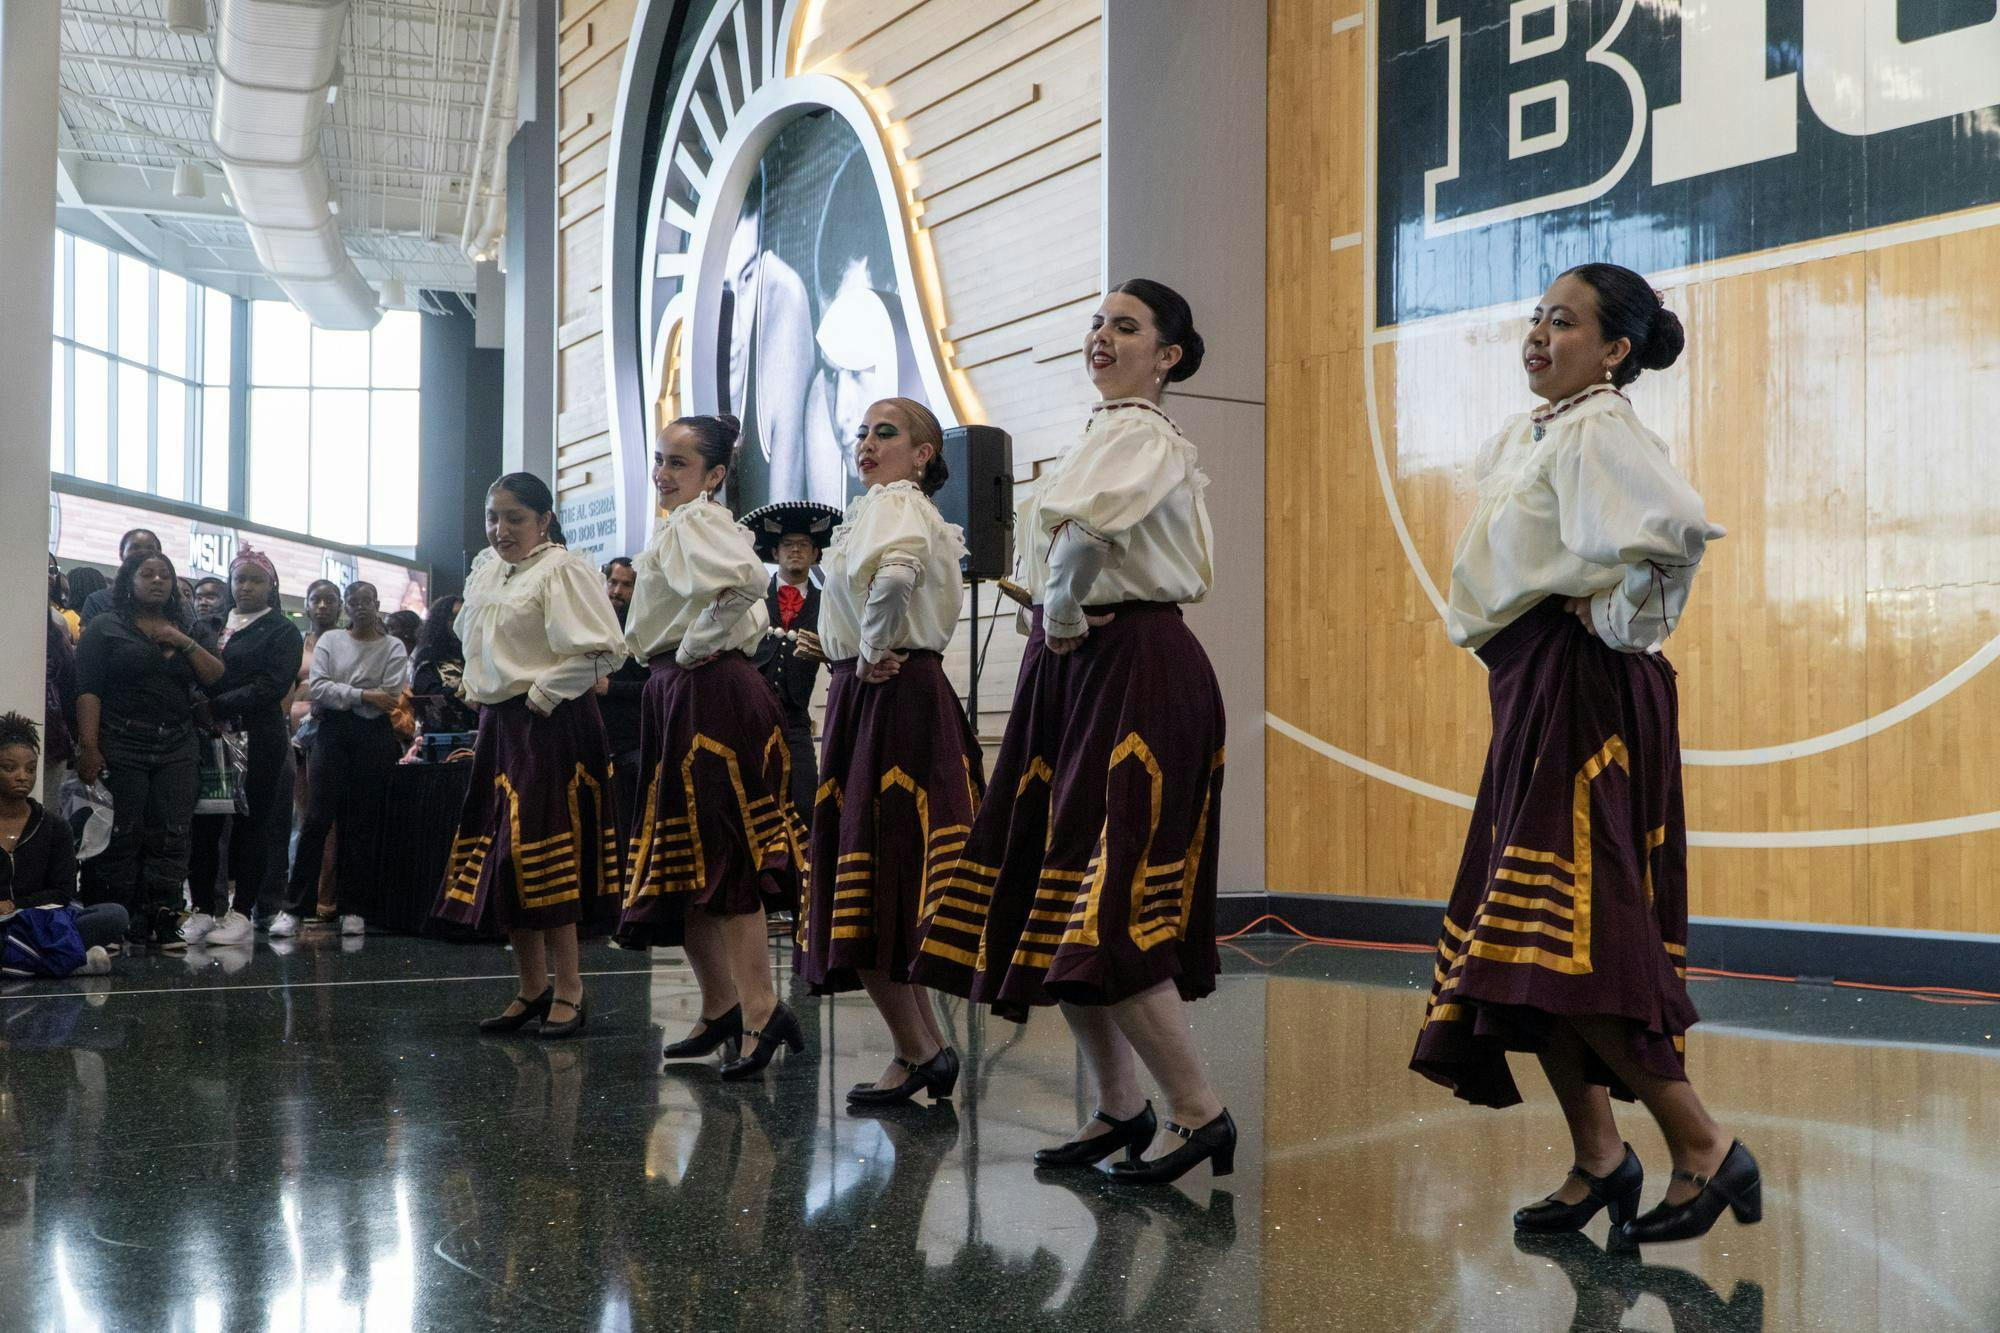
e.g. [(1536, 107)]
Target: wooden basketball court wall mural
[(1816, 188)]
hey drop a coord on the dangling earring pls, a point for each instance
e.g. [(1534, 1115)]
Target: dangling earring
[(1607, 376)]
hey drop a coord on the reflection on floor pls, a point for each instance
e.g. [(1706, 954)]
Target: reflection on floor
[(317, 1141)]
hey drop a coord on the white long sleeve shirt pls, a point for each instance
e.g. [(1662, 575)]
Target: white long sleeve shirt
[(698, 588), (541, 627), (893, 580), (1592, 508), (1119, 517), (344, 668)]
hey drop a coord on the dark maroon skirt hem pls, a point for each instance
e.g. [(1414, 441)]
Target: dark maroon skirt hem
[(900, 777), (716, 831), (1090, 874), (1571, 897), (537, 846)]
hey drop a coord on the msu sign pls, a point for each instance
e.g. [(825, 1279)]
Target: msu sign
[(1517, 137)]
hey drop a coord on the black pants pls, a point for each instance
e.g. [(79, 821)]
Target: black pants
[(346, 776), (805, 762), (150, 771), (250, 843), (631, 790)]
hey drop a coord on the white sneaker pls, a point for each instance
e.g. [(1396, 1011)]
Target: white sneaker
[(232, 929), (353, 925), (284, 926), (96, 962), (196, 928)]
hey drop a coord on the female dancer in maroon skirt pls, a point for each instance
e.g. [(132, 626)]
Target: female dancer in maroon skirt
[(899, 766), (1089, 876), (717, 841), (1567, 929), (537, 847)]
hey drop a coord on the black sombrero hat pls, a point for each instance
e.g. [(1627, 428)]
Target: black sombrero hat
[(769, 524)]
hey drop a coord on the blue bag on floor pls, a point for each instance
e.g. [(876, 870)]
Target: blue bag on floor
[(40, 942)]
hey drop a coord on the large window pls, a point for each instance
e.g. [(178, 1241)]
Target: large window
[(333, 426), (140, 368)]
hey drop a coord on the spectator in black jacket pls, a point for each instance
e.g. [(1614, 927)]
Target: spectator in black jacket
[(438, 670), (133, 542), (619, 703), (136, 670), (261, 651), (37, 854)]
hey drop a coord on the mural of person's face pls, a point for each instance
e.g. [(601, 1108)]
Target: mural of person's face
[(857, 341), (740, 280)]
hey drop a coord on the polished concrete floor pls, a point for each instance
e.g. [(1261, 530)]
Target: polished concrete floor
[(316, 1140)]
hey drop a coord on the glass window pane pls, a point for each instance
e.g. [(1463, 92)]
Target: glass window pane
[(60, 324), (339, 468), (399, 352), (392, 471), (173, 324), (340, 359), (93, 413), (93, 294), (135, 309), (280, 344), (216, 333), (215, 448), (135, 427), (58, 410), (278, 458), (170, 461)]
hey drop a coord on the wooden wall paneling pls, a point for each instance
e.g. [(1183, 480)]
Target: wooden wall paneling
[(1828, 408)]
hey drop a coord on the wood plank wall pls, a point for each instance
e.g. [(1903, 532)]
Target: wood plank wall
[(1001, 104), (1832, 412)]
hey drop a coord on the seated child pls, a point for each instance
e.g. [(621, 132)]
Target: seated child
[(37, 854)]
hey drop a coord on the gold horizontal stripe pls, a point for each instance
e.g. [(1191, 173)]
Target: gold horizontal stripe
[(1523, 877), (851, 933), (1499, 922), (856, 856), (1539, 957), (933, 945), (846, 876), (1543, 858), (1039, 915), (1444, 1013), (1040, 938), (843, 894), (1066, 876), (1025, 958), (1677, 950), (1532, 904), (958, 882)]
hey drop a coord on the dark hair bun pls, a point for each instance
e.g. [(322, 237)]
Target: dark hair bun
[(1192, 351), (1665, 341), (936, 474), (734, 426)]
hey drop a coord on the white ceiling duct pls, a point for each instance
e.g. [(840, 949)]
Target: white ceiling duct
[(274, 61)]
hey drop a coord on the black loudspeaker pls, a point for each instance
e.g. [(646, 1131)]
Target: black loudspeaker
[(979, 497)]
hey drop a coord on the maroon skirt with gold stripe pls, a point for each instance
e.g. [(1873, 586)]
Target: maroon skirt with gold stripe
[(716, 830), (900, 775), (537, 844), (1571, 899), (1090, 874)]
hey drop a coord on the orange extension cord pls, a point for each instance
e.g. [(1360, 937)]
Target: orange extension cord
[(1931, 994)]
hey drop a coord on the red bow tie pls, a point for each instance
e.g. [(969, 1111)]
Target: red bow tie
[(790, 602)]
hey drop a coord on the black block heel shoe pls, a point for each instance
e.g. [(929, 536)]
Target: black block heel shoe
[(780, 1029), (557, 1031), (1134, 1135), (937, 1076), (715, 1032), (1736, 1185), (1617, 1189), (537, 1008), (1214, 1142)]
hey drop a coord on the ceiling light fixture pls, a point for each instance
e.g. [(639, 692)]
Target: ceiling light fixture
[(188, 182)]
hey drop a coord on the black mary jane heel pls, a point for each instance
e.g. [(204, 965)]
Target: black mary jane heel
[(558, 1031), (715, 1033), (780, 1029), (1214, 1143), (533, 1010), (1134, 1135), (1736, 1185), (937, 1076), (1617, 1189)]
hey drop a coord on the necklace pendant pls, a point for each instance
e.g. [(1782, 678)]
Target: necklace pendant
[(1539, 432)]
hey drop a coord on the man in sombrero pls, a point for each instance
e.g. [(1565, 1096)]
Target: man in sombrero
[(791, 534)]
